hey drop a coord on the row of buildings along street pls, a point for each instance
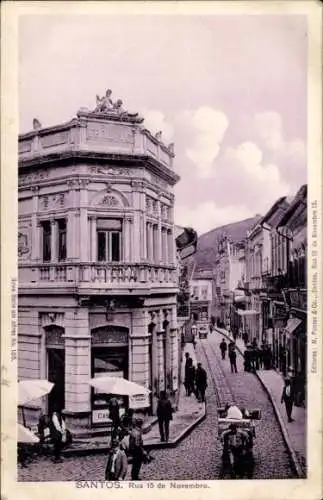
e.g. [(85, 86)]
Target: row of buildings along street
[(110, 286), (250, 278)]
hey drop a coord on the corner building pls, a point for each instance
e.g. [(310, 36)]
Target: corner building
[(97, 260)]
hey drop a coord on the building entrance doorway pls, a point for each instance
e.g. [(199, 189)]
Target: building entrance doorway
[(56, 374)]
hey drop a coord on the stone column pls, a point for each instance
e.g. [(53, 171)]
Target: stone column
[(170, 245), (53, 240), (174, 354), (131, 237), (164, 245), (154, 368), (126, 239), (77, 366), (160, 350), (136, 237), (71, 222), (34, 225), (93, 243), (159, 238), (139, 347), (83, 221), (150, 241), (38, 241), (139, 249), (167, 353)]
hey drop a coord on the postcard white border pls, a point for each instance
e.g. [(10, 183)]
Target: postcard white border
[(310, 488)]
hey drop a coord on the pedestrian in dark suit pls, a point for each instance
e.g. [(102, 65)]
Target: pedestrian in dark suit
[(188, 362), (165, 415), (114, 415), (288, 398), (136, 448), (247, 358), (191, 377), (117, 464), (233, 357), (223, 348), (201, 382)]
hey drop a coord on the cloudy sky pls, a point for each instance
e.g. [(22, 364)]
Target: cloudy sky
[(229, 90)]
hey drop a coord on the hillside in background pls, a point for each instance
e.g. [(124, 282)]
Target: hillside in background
[(206, 253)]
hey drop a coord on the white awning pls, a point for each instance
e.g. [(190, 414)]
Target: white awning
[(241, 298), (250, 312), (292, 324)]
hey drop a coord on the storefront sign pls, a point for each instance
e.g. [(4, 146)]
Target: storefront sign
[(139, 401), (110, 335), (100, 416)]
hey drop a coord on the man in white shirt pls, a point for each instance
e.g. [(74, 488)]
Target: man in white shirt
[(58, 431), (117, 464)]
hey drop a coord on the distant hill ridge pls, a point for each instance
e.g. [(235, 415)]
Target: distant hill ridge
[(206, 253)]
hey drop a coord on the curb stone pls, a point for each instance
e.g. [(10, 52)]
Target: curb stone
[(295, 462), (149, 446)]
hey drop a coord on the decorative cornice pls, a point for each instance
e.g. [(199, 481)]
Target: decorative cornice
[(72, 155)]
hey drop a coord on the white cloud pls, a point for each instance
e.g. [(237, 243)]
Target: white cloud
[(208, 126), (269, 128), (155, 122), (208, 215), (263, 179)]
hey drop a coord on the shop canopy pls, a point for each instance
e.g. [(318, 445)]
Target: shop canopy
[(30, 390), (293, 324), (241, 298), (118, 386), (26, 436), (250, 312)]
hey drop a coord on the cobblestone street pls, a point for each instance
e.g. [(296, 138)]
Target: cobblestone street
[(198, 456)]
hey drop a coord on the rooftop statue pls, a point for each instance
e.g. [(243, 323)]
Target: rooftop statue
[(36, 124), (117, 106), (104, 103), (111, 110)]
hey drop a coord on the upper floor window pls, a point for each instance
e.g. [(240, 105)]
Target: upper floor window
[(109, 232), (47, 237), (61, 253)]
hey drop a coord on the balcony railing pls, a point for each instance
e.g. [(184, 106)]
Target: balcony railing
[(91, 135), (117, 274)]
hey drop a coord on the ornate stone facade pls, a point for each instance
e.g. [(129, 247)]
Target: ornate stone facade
[(96, 266)]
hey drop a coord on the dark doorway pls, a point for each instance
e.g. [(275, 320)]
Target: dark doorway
[(56, 374)]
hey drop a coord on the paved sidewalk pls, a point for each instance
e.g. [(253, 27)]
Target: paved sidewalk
[(189, 413), (294, 432)]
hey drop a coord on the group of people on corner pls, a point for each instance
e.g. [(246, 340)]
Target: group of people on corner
[(232, 354), (257, 358), (126, 441), (51, 430), (195, 380)]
